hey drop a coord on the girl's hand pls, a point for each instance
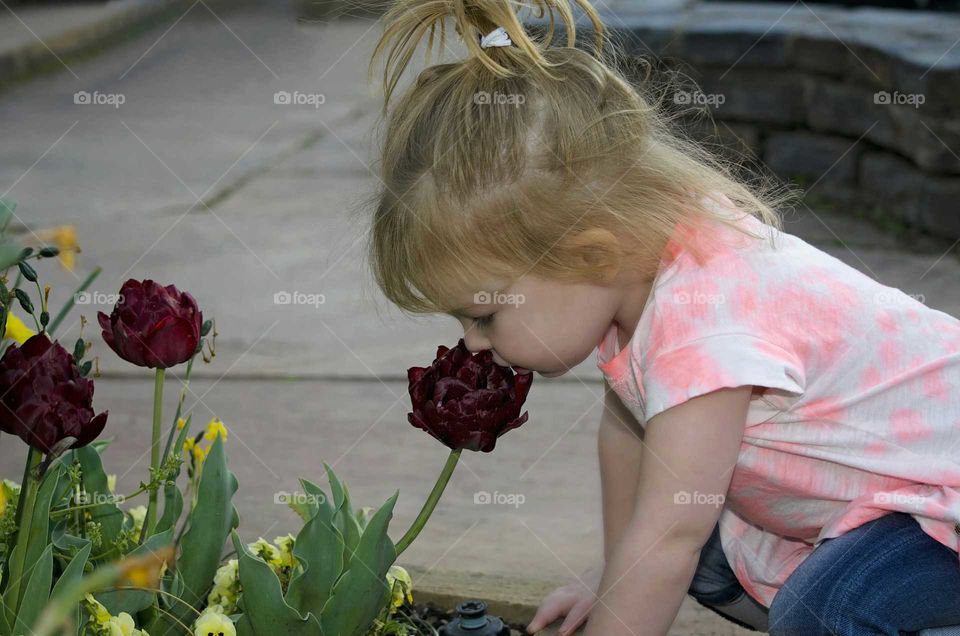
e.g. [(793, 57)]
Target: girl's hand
[(573, 600)]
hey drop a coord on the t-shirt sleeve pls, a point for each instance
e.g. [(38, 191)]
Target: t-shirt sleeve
[(716, 361)]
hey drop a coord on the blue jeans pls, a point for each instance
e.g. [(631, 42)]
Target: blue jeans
[(886, 576)]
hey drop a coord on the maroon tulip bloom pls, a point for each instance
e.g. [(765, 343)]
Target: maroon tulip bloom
[(43, 397), (467, 400), (152, 325)]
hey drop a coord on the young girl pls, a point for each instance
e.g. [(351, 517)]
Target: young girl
[(780, 433)]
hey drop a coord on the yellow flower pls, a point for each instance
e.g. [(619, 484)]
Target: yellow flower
[(265, 551), (286, 550), (138, 514), (65, 238), (181, 422), (188, 444), (401, 586), (123, 625), (226, 587), (8, 490), (199, 453), (16, 330), (213, 621), (97, 611), (215, 426)]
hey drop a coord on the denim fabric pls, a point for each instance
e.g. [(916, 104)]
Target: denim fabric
[(886, 576)]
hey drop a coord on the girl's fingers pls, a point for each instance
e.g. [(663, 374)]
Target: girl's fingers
[(575, 617), (552, 607)]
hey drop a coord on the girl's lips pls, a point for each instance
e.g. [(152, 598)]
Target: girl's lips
[(521, 370)]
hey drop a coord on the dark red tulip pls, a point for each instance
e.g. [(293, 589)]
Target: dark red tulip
[(152, 325), (43, 397), (467, 400)]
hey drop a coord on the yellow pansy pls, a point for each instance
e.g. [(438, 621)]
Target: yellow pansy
[(213, 621), (215, 426), (401, 585), (285, 544), (123, 625), (99, 613), (265, 551), (16, 330), (226, 587)]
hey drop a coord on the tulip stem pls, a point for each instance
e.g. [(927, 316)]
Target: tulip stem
[(150, 521), (430, 503), (28, 499)]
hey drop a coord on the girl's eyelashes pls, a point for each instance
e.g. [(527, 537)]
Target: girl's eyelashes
[(484, 321)]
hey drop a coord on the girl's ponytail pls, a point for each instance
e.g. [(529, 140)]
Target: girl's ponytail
[(407, 21)]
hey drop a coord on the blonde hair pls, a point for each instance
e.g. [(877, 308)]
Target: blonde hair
[(541, 182)]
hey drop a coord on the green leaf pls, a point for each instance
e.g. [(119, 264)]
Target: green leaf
[(107, 513), (5, 629), (358, 596), (129, 600), (9, 253), (343, 518), (336, 487), (173, 585), (73, 571), (264, 607), (67, 306), (37, 592), (33, 545), (319, 547), (7, 207), (210, 523), (172, 507), (244, 627), (64, 541), (316, 498)]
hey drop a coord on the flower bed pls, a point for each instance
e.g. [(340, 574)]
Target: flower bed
[(76, 558)]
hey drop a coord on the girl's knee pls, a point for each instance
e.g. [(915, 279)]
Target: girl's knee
[(713, 581)]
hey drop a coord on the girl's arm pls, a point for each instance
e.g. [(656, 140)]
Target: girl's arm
[(690, 451), (619, 446)]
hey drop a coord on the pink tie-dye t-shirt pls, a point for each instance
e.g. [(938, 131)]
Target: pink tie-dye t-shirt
[(857, 410)]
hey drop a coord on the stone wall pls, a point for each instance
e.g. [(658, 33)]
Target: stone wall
[(860, 106)]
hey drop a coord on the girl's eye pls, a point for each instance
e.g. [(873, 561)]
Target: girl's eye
[(484, 321)]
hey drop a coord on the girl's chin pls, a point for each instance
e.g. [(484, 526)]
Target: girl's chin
[(552, 374)]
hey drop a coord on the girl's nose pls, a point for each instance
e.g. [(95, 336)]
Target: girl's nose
[(474, 341)]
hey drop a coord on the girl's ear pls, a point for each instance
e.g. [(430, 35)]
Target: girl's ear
[(596, 251)]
